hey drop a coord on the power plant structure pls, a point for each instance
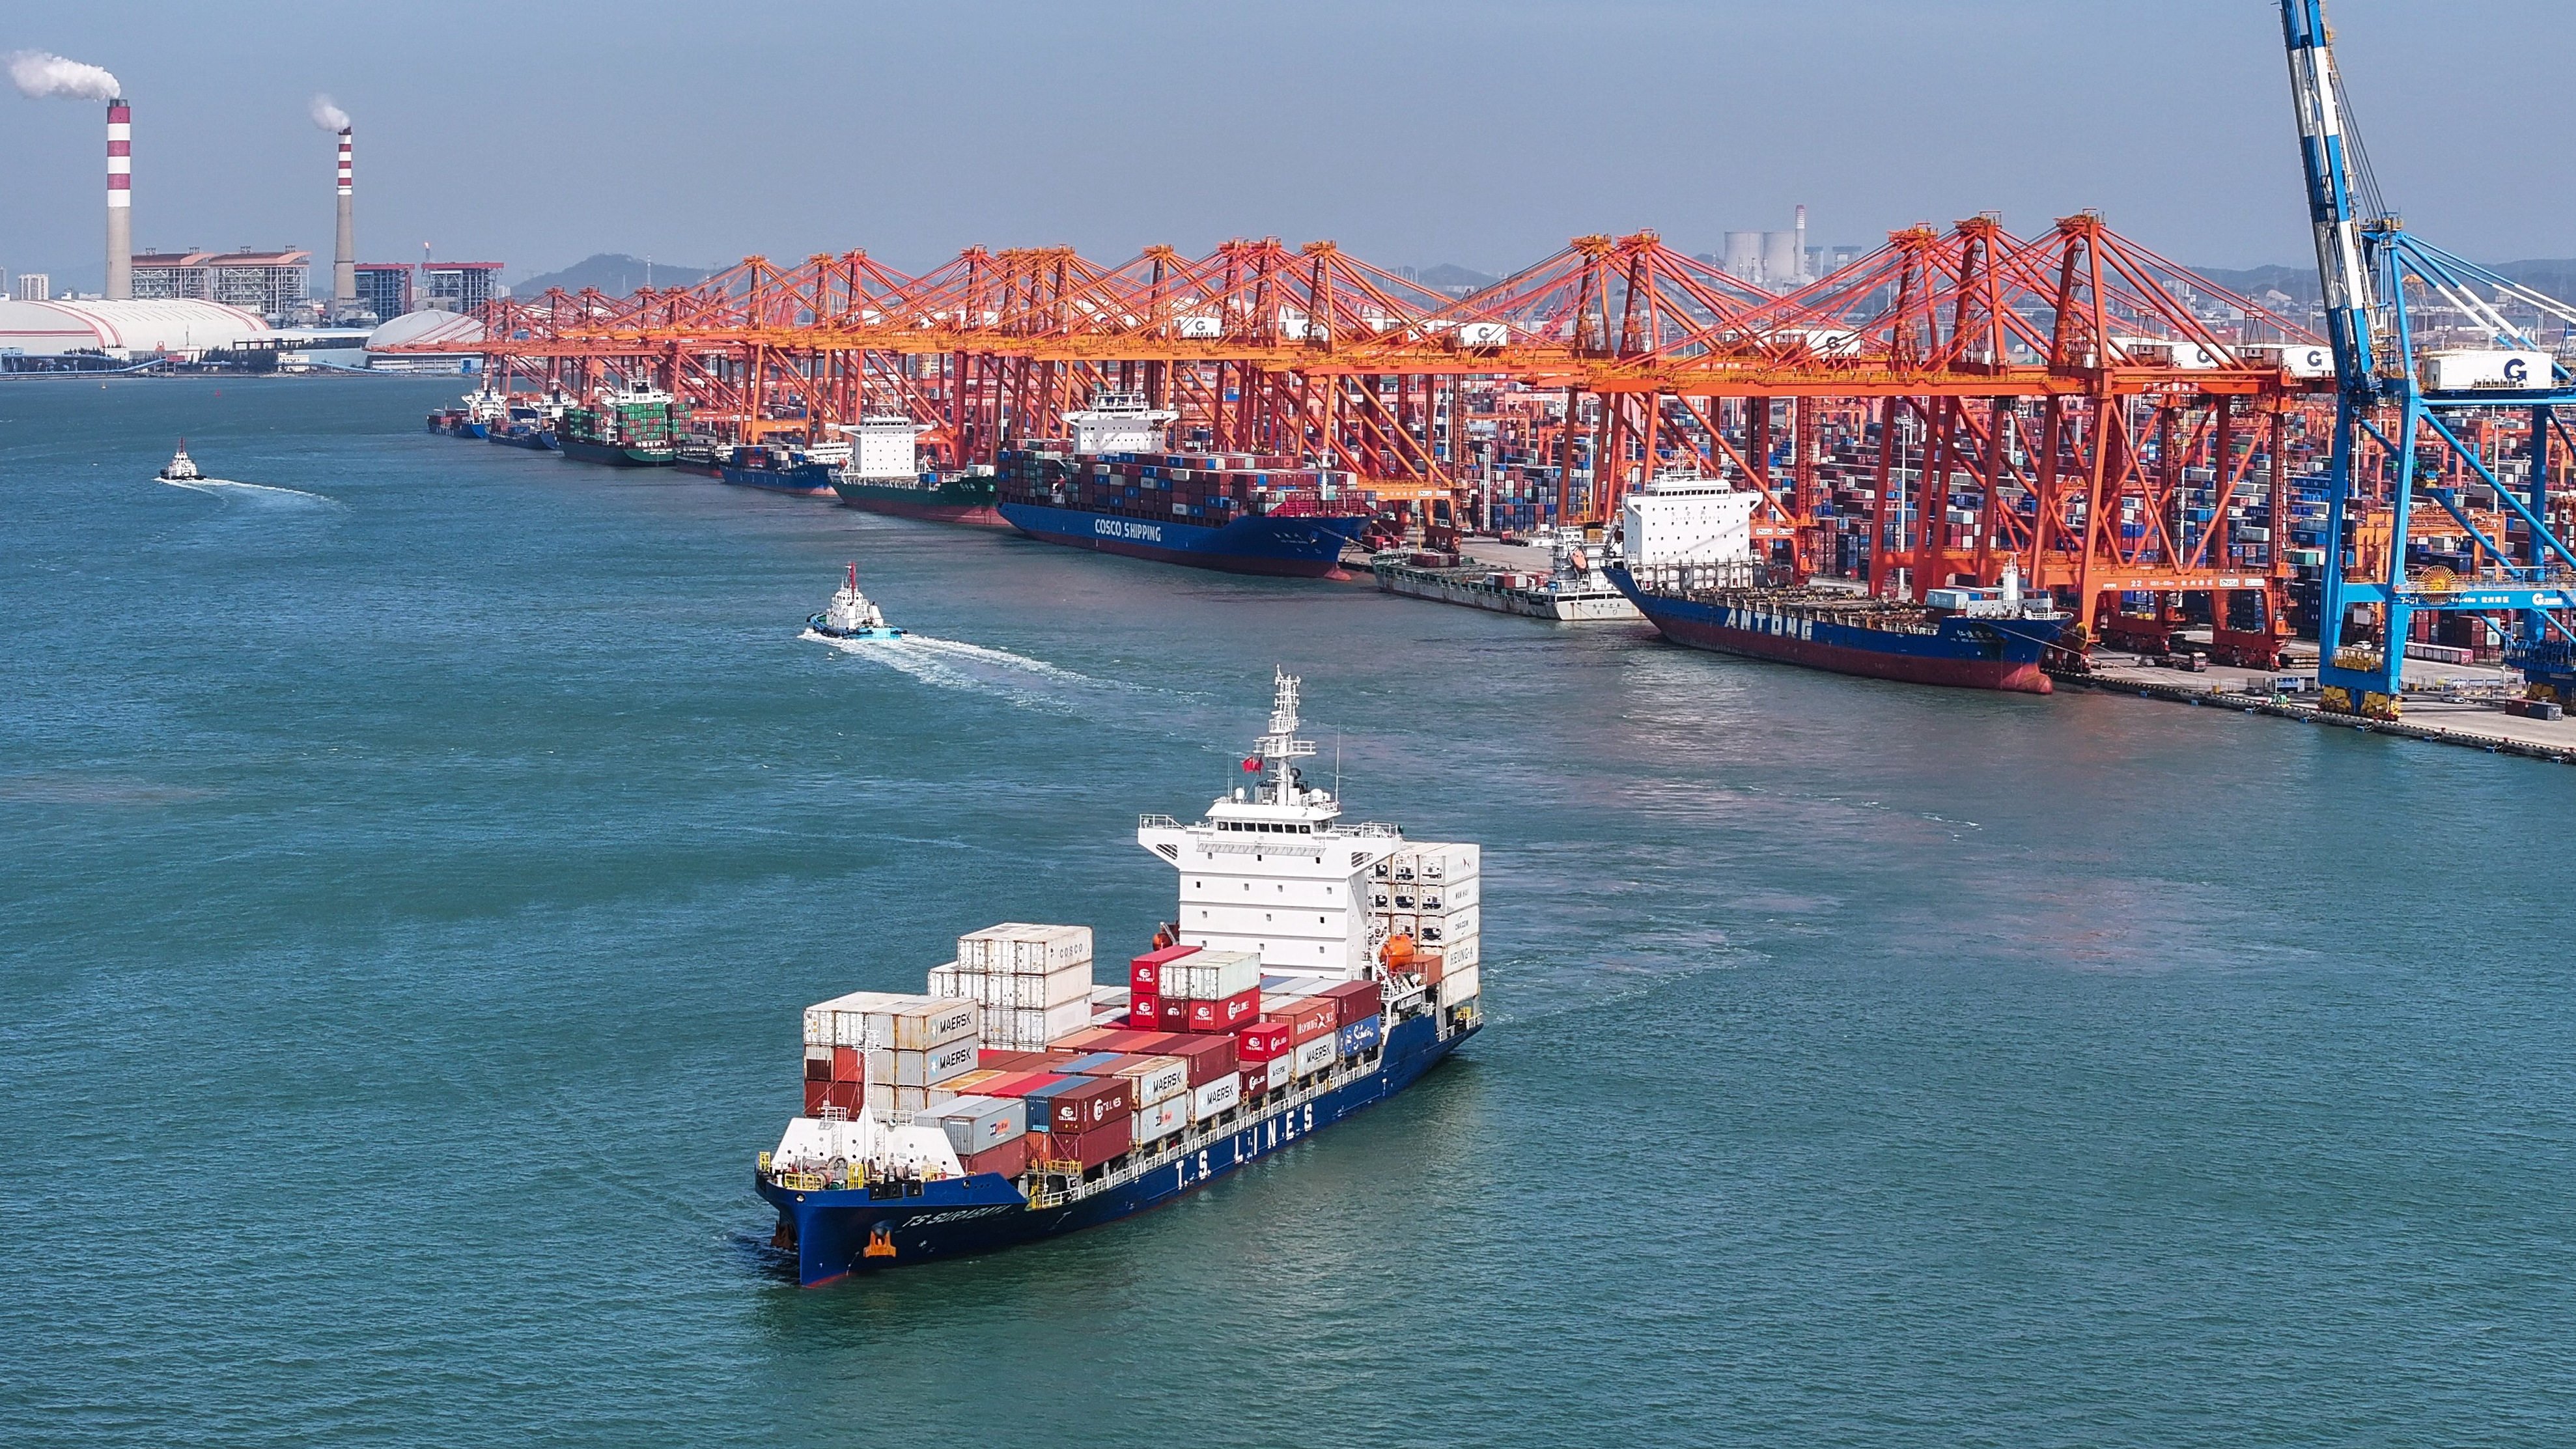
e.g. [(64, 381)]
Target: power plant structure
[(344, 252), (120, 201)]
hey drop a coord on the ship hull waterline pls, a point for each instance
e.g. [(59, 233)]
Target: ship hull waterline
[(1293, 547), (612, 456), (2009, 661), (918, 504), (832, 1229)]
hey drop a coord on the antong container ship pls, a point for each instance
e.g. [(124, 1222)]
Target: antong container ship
[(635, 428), (1317, 967), (1115, 491), (1689, 568)]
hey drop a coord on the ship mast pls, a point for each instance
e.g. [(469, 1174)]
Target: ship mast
[(1280, 747)]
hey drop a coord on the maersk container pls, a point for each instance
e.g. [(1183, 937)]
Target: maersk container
[(884, 1020), (1359, 1037), (976, 1123), (1152, 1079), (1161, 1119), (1211, 1098), (1316, 1055)]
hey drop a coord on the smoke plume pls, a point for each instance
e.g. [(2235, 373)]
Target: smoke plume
[(40, 73), (328, 116)]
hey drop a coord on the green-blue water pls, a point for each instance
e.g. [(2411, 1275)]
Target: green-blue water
[(407, 893)]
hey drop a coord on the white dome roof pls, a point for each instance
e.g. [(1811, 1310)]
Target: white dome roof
[(426, 326), (45, 328)]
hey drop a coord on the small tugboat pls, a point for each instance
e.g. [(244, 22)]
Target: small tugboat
[(851, 616), (181, 468)]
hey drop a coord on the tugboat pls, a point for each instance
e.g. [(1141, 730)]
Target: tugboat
[(851, 616), (181, 468)]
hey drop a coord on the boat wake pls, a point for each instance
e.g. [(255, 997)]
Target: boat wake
[(949, 664), (223, 488)]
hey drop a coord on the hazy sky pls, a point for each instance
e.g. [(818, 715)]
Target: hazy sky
[(1411, 133)]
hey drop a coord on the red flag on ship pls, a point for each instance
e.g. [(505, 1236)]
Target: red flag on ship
[(1252, 766)]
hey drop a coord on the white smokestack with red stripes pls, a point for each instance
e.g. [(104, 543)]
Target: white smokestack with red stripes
[(344, 252), (120, 200)]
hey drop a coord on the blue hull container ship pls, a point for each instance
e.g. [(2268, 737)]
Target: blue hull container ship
[(1689, 567), (802, 470), (1113, 490), (1017, 1099)]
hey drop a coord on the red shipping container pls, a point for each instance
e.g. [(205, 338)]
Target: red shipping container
[(1144, 1013), (818, 1064), (1079, 1109), (846, 1064), (1094, 1147), (1019, 1085), (1210, 1056), (814, 1097), (1261, 1040), (1130, 1041), (998, 1059), (1310, 1017), (1010, 1159), (1256, 1083), (1357, 1000), (1175, 1013), (1145, 973), (1086, 1039), (1226, 1014)]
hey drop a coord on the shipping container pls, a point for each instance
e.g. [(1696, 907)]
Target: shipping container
[(1030, 1029), (1088, 1063), (1020, 948), (1092, 1148), (1009, 1159), (886, 1021), (1209, 1056), (1092, 1101), (1461, 986), (1278, 1072), (1315, 1055), (1159, 1120), (1172, 1014), (965, 1083), (1210, 1098), (1003, 1059), (1355, 1001), (886, 1101), (1019, 1084), (976, 1123), (1212, 975), (1094, 1038), (818, 1063), (1259, 1041), (1152, 1079), (1310, 1017), (1145, 1013), (1223, 1014), (1145, 973), (1359, 1037)]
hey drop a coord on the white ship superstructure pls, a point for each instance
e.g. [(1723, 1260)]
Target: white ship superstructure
[(1119, 422), (1273, 869)]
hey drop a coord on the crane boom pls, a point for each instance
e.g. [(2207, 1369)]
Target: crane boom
[(2340, 272)]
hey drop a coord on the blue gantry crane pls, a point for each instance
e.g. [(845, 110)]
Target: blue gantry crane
[(2403, 392)]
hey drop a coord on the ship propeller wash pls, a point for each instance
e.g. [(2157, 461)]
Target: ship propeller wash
[(1317, 967)]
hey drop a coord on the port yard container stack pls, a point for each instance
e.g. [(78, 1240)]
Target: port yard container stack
[(1032, 983)]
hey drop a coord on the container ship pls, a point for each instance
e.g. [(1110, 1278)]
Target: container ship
[(1316, 968), (1114, 491), (635, 428), (1574, 590), (884, 475), (1688, 566), (785, 468), (483, 411)]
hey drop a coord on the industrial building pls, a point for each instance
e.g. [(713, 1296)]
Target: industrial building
[(130, 330), (458, 286), (34, 287), (384, 288), (271, 284)]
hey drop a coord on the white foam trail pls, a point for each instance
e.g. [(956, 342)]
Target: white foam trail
[(927, 660), (1002, 657), (208, 486)]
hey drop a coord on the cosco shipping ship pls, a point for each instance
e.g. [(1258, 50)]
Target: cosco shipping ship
[(1317, 967), (1115, 491)]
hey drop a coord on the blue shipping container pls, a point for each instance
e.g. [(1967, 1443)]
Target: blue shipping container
[(1359, 1036)]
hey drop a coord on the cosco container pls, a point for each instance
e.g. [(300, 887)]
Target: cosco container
[(1210, 1098)]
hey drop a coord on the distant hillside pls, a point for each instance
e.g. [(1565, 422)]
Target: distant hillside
[(2555, 278), (613, 273), (1451, 277)]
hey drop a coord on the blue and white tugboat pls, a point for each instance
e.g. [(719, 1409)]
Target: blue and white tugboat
[(1317, 967), (852, 616), (181, 468)]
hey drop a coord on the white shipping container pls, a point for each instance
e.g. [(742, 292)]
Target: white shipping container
[(1216, 1096), (1282, 1072), (884, 1100), (1430, 860), (2481, 369), (1020, 948), (1159, 1080), (1072, 983), (1162, 1119), (975, 1123), (946, 984), (1460, 953), (1028, 1029), (1316, 1055), (1483, 334), (1434, 898), (1211, 975), (1459, 986), (1438, 931)]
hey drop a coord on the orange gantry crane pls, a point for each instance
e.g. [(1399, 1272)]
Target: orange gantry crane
[(1954, 403)]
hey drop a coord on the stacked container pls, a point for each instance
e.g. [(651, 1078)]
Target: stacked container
[(1031, 983), (1433, 894), (1206, 991), (904, 1049)]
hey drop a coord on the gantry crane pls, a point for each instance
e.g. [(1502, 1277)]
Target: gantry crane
[(2420, 359)]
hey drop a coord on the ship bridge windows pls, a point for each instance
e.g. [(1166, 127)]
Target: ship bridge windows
[(1267, 827)]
